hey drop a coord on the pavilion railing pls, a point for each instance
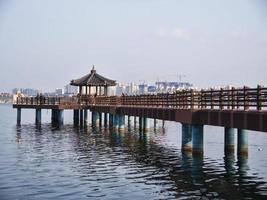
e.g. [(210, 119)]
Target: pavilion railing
[(233, 98)]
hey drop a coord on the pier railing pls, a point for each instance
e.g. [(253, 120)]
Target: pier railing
[(233, 98)]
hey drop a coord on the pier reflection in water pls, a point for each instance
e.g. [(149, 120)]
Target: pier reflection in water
[(84, 163)]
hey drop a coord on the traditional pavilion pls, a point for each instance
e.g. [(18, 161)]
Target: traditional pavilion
[(93, 83)]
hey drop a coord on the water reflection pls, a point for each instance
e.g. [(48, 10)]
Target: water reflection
[(136, 164)]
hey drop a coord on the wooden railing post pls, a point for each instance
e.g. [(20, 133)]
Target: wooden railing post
[(245, 98), (221, 99), (192, 99), (211, 99), (258, 98), (233, 98)]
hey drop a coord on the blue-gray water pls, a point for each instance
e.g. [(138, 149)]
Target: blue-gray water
[(69, 163)]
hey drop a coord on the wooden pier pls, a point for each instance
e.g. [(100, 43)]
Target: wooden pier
[(233, 108)]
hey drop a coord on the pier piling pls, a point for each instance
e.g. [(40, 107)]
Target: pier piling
[(186, 137), (18, 116), (121, 122), (242, 142), (38, 116), (105, 120), (229, 140), (85, 121), (197, 139), (76, 117), (146, 125)]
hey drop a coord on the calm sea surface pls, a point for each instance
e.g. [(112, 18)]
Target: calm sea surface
[(71, 163)]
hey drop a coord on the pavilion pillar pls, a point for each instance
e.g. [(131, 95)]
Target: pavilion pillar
[(80, 90), (106, 91), (89, 90)]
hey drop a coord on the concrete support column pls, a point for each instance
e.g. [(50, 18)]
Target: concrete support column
[(110, 120), (38, 116), (129, 121), (105, 120), (100, 116), (163, 123), (186, 137), (85, 115), (242, 142), (155, 123), (116, 121), (59, 117), (140, 123), (81, 117), (229, 140), (53, 115), (135, 121), (95, 119), (121, 122), (76, 117), (146, 125), (18, 116), (197, 139)]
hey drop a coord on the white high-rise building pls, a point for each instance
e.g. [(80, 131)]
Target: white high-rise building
[(70, 89)]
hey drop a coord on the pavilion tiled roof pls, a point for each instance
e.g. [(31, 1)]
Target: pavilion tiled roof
[(93, 79)]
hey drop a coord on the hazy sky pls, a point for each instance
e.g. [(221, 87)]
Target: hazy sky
[(44, 44)]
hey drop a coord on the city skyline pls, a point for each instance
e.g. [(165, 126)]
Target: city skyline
[(43, 46)]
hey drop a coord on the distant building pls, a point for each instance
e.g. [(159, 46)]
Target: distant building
[(59, 91), (26, 91), (151, 89), (143, 88), (166, 86), (70, 89), (6, 98)]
